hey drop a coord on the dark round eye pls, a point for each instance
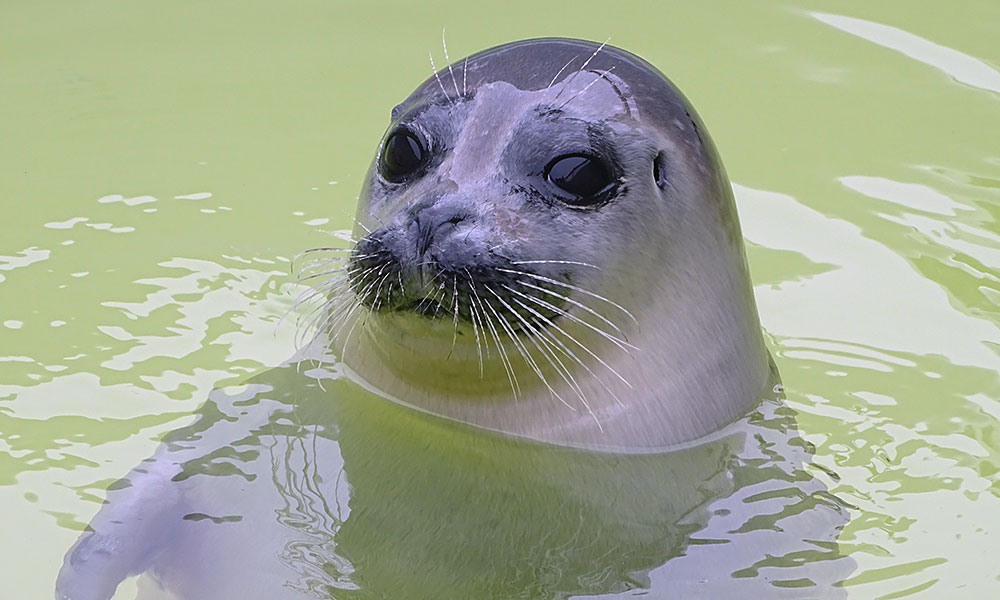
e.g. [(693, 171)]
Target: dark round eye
[(402, 155), (587, 178)]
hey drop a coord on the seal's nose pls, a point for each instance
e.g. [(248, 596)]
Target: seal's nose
[(431, 219), (433, 236), (426, 229)]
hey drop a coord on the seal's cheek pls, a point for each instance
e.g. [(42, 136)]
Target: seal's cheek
[(510, 223)]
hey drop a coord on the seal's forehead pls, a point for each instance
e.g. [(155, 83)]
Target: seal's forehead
[(605, 98), (533, 65)]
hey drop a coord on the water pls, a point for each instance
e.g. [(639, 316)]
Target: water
[(162, 163)]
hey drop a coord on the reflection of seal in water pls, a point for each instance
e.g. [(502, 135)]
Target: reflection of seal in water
[(549, 248)]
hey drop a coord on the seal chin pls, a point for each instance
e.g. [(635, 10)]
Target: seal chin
[(425, 307)]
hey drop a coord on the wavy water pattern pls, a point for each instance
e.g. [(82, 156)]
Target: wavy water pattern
[(160, 171)]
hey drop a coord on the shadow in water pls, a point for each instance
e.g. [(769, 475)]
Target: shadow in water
[(309, 486)]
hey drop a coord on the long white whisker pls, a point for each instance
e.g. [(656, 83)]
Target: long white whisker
[(341, 234), (378, 290), (454, 306), (444, 44), (572, 380), (576, 303), (582, 67), (559, 72), (530, 361), (574, 288), (554, 262), (359, 223), (614, 340), (475, 329), (522, 350), (340, 270), (555, 326), (585, 88), (514, 387), (556, 345), (322, 264), (325, 262), (438, 77)]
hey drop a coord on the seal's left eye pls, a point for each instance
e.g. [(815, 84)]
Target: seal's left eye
[(402, 155), (586, 178)]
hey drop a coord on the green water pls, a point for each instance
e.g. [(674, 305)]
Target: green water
[(161, 163)]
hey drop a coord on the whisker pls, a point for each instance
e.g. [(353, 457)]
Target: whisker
[(341, 234), (574, 288), (576, 303), (527, 355), (359, 223), (454, 306), (378, 290), (325, 309), (514, 387), (521, 349), (438, 77), (301, 299), (554, 262), (298, 256), (585, 88), (556, 326), (347, 340), (329, 314), (342, 274), (554, 344), (321, 320), (614, 340), (582, 67), (572, 380), (323, 249), (559, 72), (322, 263), (444, 44), (475, 330)]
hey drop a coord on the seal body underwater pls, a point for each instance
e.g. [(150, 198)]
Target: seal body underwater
[(546, 248)]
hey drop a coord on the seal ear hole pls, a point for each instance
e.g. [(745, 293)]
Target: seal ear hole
[(660, 171)]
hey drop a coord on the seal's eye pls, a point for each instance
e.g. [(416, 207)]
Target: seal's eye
[(587, 178), (402, 155)]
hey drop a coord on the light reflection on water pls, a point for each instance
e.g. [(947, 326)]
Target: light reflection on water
[(871, 186)]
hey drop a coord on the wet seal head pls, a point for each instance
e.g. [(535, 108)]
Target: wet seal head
[(547, 246)]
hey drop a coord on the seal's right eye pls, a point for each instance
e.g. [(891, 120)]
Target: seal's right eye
[(402, 155)]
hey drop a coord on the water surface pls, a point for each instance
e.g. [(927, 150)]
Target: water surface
[(163, 162)]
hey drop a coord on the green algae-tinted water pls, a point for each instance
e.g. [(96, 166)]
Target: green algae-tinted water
[(161, 163)]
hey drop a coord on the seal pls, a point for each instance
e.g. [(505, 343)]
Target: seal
[(547, 246)]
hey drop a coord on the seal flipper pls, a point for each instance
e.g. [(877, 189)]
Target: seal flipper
[(125, 536)]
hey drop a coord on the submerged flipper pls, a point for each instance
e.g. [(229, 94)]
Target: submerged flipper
[(125, 536)]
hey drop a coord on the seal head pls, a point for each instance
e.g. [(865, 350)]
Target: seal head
[(547, 246)]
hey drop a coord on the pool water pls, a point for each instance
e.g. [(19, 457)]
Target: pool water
[(162, 164)]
